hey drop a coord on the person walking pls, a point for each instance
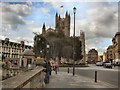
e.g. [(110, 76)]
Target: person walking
[(47, 70), (56, 67), (50, 67)]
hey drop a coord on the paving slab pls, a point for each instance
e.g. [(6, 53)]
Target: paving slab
[(65, 80)]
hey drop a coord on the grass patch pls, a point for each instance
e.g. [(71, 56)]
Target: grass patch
[(78, 65)]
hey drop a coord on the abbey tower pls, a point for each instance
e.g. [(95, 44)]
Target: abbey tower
[(63, 24)]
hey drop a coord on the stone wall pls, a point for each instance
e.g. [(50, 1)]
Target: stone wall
[(30, 79)]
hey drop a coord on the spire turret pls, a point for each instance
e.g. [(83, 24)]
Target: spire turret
[(43, 29), (66, 15), (69, 15), (59, 16), (44, 26), (56, 14)]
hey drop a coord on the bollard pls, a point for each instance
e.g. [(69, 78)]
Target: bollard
[(96, 76), (56, 70), (68, 70)]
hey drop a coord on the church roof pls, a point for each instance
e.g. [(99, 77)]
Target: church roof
[(50, 29)]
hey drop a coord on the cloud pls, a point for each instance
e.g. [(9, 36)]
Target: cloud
[(13, 15), (100, 25), (101, 19), (98, 43), (44, 10), (13, 22), (99, 22), (2, 37)]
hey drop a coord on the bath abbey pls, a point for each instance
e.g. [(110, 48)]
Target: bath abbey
[(63, 25)]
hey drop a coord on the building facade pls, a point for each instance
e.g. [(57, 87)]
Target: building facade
[(92, 56), (110, 53), (100, 57), (104, 56), (82, 39), (12, 50), (113, 51), (116, 46)]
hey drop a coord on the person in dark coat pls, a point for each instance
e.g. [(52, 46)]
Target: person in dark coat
[(47, 70)]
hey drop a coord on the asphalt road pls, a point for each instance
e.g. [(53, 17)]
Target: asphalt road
[(104, 74)]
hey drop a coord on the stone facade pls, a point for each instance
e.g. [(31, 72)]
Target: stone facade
[(28, 59), (100, 57), (12, 50), (26, 80), (110, 53), (113, 51), (92, 56), (116, 46), (82, 39), (104, 56), (61, 24)]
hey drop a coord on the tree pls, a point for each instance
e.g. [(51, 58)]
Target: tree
[(78, 49), (67, 52), (39, 45), (61, 45)]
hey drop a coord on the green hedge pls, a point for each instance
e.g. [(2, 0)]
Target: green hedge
[(80, 65)]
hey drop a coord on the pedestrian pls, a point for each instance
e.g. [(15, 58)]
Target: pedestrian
[(47, 71), (49, 66), (56, 67)]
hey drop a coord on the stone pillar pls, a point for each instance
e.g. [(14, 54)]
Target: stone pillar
[(25, 62), (42, 79)]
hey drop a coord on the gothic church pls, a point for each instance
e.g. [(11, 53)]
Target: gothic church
[(62, 24)]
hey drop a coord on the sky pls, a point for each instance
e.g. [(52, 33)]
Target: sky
[(97, 18)]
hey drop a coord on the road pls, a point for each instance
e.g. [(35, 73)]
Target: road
[(104, 74)]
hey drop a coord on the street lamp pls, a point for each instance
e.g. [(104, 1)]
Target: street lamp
[(47, 63), (74, 11), (47, 52)]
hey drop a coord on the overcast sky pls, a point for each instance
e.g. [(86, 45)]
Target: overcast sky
[(99, 20)]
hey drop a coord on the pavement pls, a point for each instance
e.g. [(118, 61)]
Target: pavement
[(65, 80)]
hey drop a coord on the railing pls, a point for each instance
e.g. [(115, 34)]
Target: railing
[(30, 79)]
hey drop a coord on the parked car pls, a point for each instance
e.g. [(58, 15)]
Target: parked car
[(108, 65), (116, 61), (99, 64)]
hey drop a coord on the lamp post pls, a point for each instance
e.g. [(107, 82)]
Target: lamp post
[(47, 63), (74, 11), (47, 52)]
